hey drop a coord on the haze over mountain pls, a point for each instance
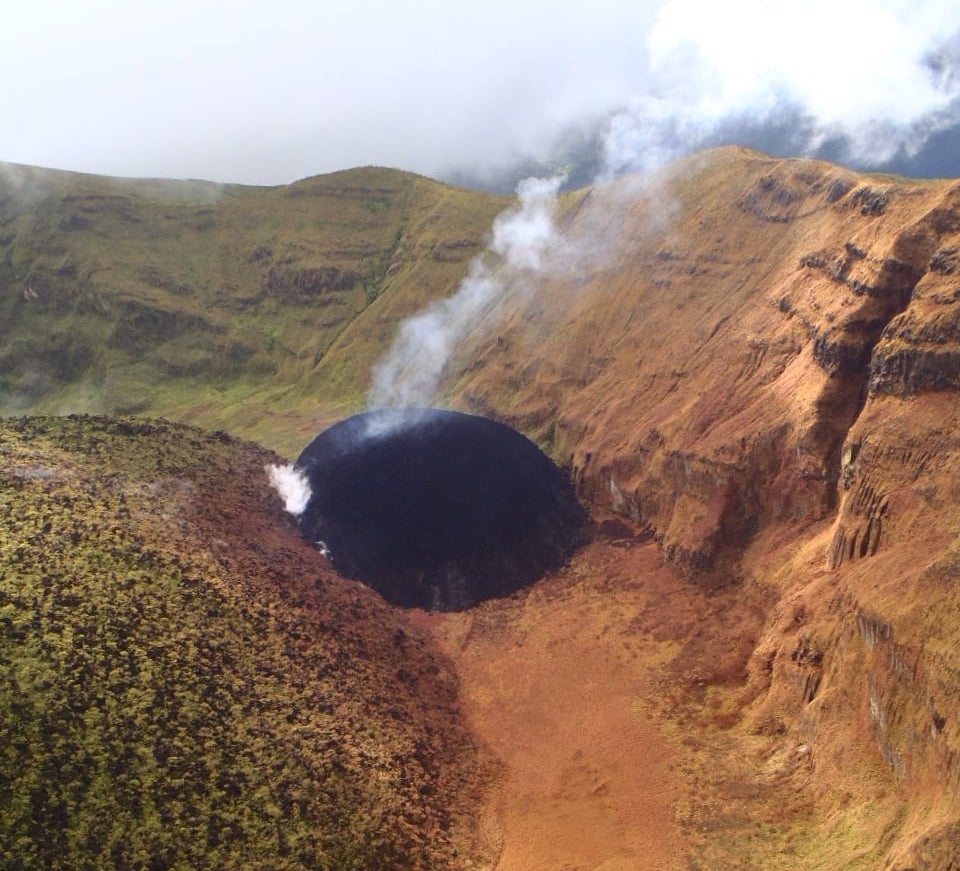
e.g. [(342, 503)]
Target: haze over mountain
[(267, 93)]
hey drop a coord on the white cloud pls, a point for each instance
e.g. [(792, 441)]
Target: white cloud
[(269, 92), (851, 61), (854, 67)]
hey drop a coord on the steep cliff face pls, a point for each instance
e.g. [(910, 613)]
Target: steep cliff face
[(761, 370), (893, 560), (708, 366)]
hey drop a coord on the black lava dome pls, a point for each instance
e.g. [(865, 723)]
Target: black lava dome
[(437, 509)]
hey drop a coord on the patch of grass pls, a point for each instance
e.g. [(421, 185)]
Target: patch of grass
[(176, 693)]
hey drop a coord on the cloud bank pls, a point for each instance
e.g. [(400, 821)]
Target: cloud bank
[(877, 79), (267, 93)]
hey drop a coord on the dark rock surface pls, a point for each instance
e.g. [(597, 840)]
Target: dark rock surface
[(437, 509)]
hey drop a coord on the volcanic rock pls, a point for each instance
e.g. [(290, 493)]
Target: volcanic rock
[(437, 509)]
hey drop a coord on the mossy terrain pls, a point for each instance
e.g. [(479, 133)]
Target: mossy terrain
[(222, 305), (186, 684)]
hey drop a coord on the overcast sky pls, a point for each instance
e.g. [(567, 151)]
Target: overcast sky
[(269, 92)]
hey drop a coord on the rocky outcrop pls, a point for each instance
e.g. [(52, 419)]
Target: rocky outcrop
[(860, 532), (881, 289), (921, 349), (315, 284)]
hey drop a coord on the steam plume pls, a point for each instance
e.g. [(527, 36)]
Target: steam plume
[(711, 72), (524, 242), (292, 485)]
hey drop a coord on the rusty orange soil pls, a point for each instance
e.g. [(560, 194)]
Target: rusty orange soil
[(562, 685)]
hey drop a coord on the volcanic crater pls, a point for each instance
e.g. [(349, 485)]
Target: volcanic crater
[(437, 509)]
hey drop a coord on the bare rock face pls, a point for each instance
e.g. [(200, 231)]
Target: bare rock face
[(912, 370), (311, 284), (921, 348), (706, 394), (437, 509)]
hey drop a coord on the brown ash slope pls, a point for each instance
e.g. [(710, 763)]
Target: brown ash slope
[(761, 371), (185, 683)]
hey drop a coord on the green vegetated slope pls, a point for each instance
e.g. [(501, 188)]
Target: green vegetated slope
[(185, 684), (221, 305)]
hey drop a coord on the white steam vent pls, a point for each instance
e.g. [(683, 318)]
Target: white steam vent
[(292, 485), (525, 242)]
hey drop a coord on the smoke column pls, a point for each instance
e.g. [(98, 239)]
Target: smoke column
[(524, 242)]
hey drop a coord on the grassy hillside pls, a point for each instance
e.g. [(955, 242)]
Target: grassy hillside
[(185, 684), (183, 299)]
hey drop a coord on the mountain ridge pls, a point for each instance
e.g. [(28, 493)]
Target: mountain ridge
[(111, 293)]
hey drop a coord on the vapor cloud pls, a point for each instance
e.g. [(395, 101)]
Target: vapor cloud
[(26, 183), (524, 243)]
